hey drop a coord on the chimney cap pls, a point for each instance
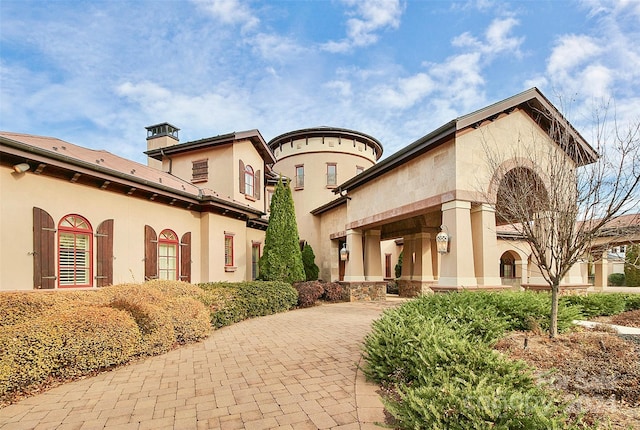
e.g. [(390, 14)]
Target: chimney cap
[(162, 129)]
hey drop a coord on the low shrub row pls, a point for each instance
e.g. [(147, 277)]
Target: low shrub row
[(434, 357), (232, 302), (66, 334), (310, 292)]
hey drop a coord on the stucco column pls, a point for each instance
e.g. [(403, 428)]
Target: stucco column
[(407, 257), (485, 245), (602, 273), (457, 267), (422, 269), (372, 256), (354, 268), (524, 271)]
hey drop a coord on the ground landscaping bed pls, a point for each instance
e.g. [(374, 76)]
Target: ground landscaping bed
[(599, 371)]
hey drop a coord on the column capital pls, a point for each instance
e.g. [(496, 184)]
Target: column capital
[(484, 207), (456, 204)]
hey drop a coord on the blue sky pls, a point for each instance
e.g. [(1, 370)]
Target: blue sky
[(95, 73)]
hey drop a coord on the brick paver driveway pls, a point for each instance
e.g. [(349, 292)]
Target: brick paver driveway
[(296, 370)]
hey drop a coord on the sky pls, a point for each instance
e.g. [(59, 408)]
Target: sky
[(96, 73)]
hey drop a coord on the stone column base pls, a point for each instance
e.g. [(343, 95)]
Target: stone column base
[(410, 288), (364, 291), (451, 289), (565, 290)]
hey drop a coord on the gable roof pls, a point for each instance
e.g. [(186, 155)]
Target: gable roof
[(531, 101), (55, 157), (253, 136)]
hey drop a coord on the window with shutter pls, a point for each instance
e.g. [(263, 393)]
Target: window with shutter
[(185, 257), (44, 270), (150, 253), (257, 185), (104, 254), (168, 255), (75, 238), (241, 177), (228, 251), (248, 181)]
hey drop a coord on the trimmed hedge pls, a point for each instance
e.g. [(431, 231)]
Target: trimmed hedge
[(72, 342), (66, 334), (233, 302)]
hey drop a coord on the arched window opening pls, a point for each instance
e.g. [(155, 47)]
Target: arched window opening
[(168, 255), (75, 252), (248, 181)]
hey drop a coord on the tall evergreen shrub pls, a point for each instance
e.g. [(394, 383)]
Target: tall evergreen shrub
[(311, 270), (282, 259), (632, 266)]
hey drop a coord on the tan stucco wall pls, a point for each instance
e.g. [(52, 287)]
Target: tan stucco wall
[(315, 192), (425, 177), (327, 144), (332, 223), (513, 139), (20, 193)]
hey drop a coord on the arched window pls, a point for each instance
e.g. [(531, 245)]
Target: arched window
[(75, 252), (168, 255), (248, 180)]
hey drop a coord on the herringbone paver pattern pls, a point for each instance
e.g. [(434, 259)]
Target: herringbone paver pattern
[(296, 370)]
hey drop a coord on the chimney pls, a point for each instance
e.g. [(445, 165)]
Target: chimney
[(160, 136)]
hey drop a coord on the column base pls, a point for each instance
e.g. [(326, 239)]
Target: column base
[(364, 291), (452, 289), (567, 290), (413, 288)]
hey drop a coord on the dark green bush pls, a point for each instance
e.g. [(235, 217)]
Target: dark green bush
[(233, 302), (308, 293), (632, 302), (311, 269), (433, 354), (616, 279), (597, 304)]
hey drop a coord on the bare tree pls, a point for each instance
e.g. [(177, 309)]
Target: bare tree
[(561, 195)]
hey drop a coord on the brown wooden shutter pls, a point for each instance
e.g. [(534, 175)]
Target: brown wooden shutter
[(104, 253), (185, 257), (150, 253), (241, 177), (44, 248), (256, 186)]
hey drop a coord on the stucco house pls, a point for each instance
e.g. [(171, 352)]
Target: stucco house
[(76, 217)]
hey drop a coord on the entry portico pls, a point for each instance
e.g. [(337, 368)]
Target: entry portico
[(440, 182)]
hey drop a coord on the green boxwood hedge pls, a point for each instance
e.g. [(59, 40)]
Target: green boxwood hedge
[(233, 302)]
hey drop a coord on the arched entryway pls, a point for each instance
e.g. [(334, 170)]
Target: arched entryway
[(509, 268)]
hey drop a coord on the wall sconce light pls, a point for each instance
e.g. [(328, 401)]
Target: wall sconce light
[(442, 240), (21, 168), (344, 253)]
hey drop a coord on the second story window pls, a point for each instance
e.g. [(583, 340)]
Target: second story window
[(248, 181), (332, 174), (299, 176), (200, 171)]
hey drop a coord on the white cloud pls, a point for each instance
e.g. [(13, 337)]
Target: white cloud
[(232, 12), (370, 16), (405, 93), (572, 51), (274, 47), (497, 38)]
